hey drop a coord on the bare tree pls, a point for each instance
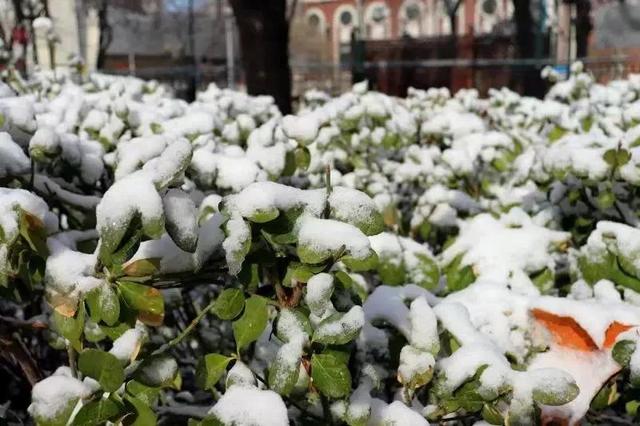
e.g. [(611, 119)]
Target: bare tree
[(533, 85), (25, 12), (264, 43), (106, 32), (451, 7), (583, 26)]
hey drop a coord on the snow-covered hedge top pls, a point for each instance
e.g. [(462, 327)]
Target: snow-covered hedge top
[(381, 261)]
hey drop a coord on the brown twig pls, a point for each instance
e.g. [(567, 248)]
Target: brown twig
[(13, 350), (19, 323), (289, 298)]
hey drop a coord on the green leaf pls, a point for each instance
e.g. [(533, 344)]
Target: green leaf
[(210, 370), (146, 394), (207, 421), (391, 272), (341, 353), (622, 157), (104, 304), (92, 299), (98, 412), (289, 164), (156, 128), (622, 352), (594, 271), (144, 415), (544, 280), (607, 395), (252, 323), (421, 371), (459, 277), (556, 395), (238, 230), (344, 279), (466, 397), (501, 163), (146, 300), (143, 267), (93, 332), (249, 276), (428, 274), (631, 407), (492, 415), (264, 215), (330, 375), (361, 265), (338, 329), (610, 157), (70, 328), (303, 157), (283, 376), (616, 158), (116, 331), (118, 247), (302, 315), (299, 272), (32, 230), (229, 304), (61, 416), (109, 305), (556, 133), (157, 371), (103, 367), (606, 199), (424, 230), (606, 267), (311, 255)]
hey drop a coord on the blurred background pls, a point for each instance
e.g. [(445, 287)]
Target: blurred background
[(285, 47)]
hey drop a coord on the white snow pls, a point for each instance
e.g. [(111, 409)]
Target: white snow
[(251, 407), (51, 396)]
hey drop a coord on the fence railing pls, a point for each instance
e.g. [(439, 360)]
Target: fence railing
[(394, 76)]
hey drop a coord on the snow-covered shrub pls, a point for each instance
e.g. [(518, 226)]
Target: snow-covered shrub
[(368, 260)]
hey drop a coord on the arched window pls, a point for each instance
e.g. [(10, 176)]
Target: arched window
[(346, 18), (344, 22), (488, 14), (411, 18), (315, 22), (377, 24)]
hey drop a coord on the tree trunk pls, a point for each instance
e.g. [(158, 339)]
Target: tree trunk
[(452, 7), (106, 34), (454, 33), (264, 45), (532, 83), (17, 9), (583, 27)]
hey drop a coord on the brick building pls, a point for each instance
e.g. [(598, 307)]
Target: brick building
[(334, 20)]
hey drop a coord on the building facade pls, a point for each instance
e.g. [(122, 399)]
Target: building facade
[(335, 20)]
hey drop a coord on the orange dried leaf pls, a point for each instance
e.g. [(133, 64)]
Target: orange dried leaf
[(151, 319), (142, 267), (34, 222), (613, 331), (63, 305), (565, 331), (551, 420)]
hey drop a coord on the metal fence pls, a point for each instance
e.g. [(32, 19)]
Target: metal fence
[(394, 76)]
